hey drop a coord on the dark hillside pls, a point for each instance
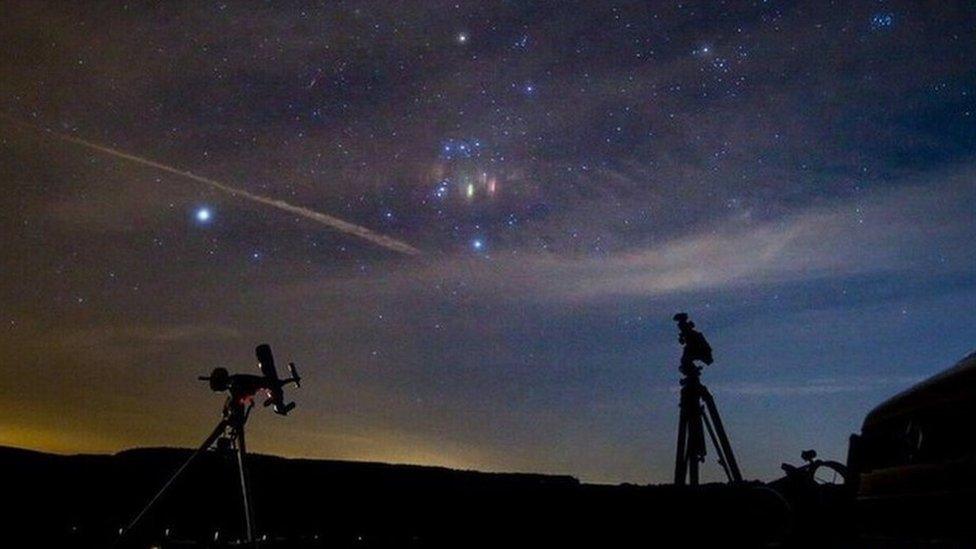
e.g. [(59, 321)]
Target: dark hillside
[(83, 499)]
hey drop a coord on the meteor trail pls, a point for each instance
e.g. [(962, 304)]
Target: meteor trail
[(387, 242)]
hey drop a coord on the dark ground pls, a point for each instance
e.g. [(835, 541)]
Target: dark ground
[(82, 500)]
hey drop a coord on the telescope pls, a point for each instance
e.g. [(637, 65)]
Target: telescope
[(242, 389)]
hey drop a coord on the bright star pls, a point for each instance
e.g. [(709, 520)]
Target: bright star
[(478, 244), (462, 37), (203, 215)]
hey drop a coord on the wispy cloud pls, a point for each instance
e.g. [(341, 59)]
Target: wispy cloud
[(888, 231), (820, 386), (146, 334)]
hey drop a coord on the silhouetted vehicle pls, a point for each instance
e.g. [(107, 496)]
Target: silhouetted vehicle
[(914, 462)]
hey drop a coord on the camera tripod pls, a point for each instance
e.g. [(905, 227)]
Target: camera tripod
[(697, 410)]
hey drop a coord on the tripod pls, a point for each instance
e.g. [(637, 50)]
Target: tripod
[(229, 432), (691, 437), (242, 390)]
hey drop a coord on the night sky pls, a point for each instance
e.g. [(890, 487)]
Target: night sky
[(799, 176)]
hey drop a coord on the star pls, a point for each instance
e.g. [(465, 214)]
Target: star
[(462, 38), (441, 190), (203, 214), (882, 21)]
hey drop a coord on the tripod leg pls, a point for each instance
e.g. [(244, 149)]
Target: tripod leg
[(203, 447), (696, 443), (722, 437), (681, 459), (718, 449), (245, 491)]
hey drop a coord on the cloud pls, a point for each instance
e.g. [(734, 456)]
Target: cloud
[(884, 232), (140, 335), (822, 386), (913, 228)]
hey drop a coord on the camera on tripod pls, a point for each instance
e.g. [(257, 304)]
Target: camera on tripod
[(699, 414), (696, 347)]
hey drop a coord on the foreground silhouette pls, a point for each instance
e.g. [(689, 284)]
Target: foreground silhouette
[(241, 391), (82, 501), (909, 481), (698, 412)]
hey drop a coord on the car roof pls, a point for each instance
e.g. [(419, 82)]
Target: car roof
[(956, 383)]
